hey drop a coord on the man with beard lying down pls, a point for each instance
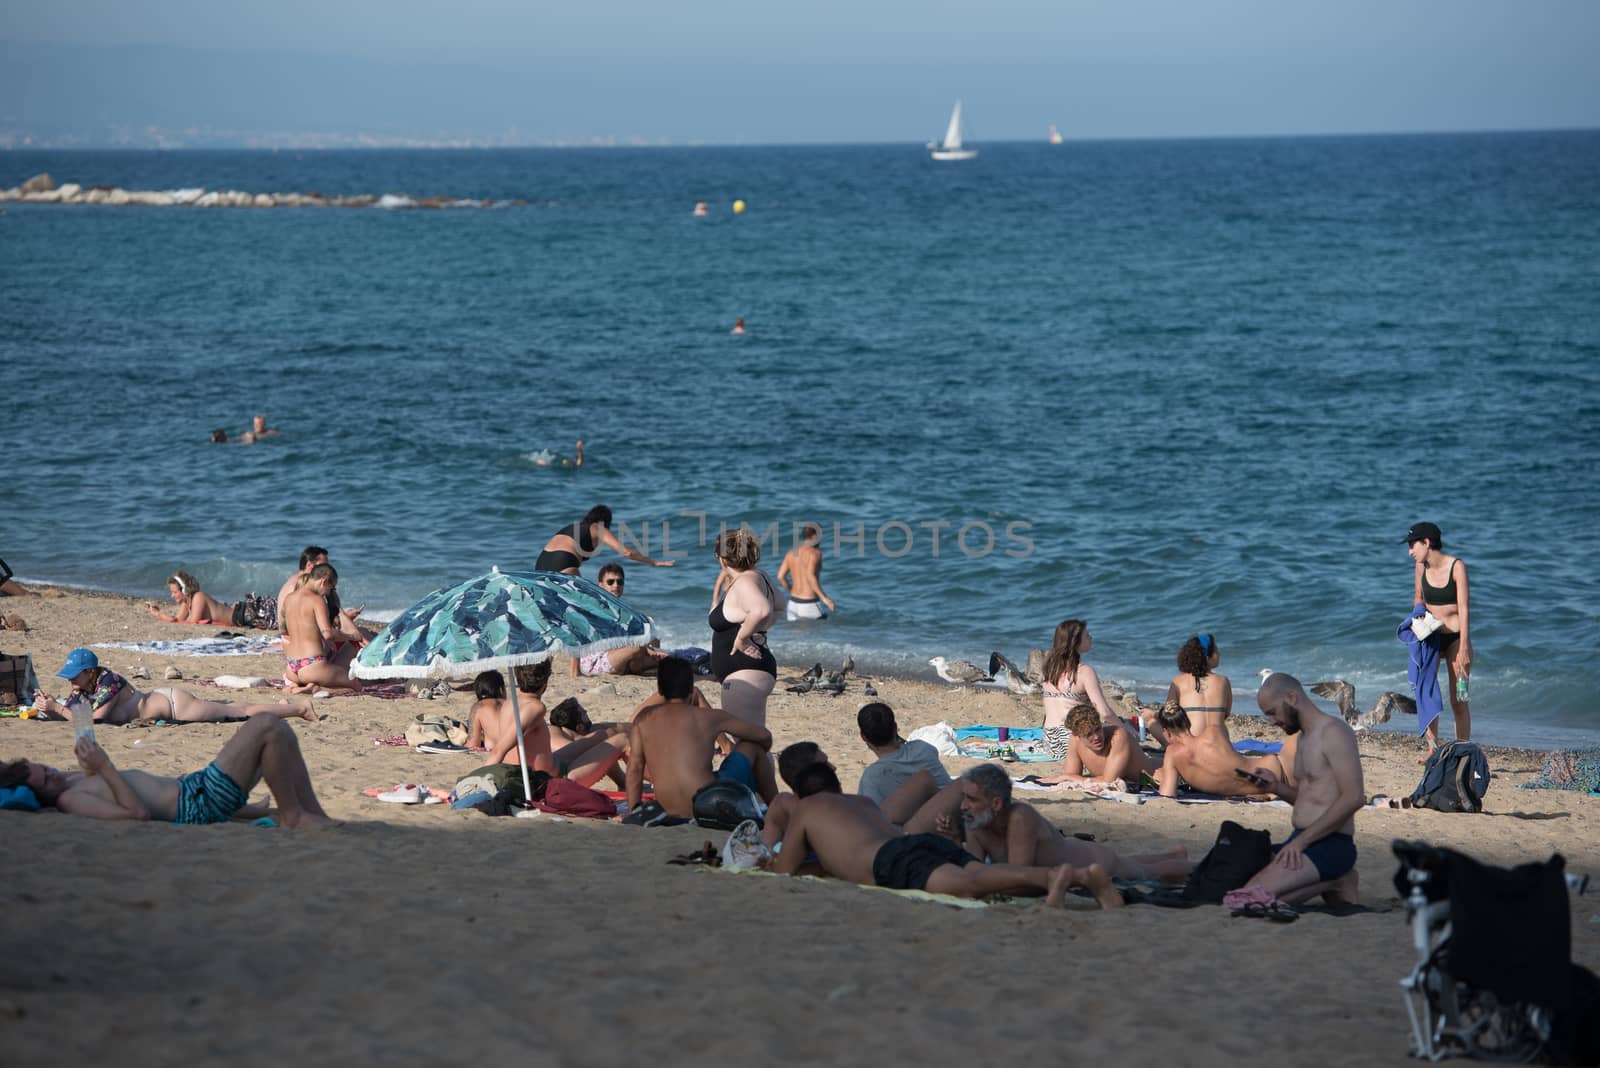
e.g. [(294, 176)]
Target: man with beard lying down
[(1013, 832), (853, 840)]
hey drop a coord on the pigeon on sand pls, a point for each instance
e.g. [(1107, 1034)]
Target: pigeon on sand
[(960, 672)]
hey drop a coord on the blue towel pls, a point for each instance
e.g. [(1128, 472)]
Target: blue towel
[(1250, 745), (1423, 670), (19, 797), (1017, 734)]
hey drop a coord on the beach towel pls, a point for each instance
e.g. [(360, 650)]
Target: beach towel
[(1569, 769), (1422, 669), (1252, 746), (243, 645), (982, 742)]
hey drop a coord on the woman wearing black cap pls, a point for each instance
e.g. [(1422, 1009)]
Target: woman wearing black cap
[(1440, 584)]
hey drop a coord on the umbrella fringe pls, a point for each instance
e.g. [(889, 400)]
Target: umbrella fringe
[(440, 668)]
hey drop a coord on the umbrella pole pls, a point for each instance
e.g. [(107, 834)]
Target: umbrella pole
[(516, 717)]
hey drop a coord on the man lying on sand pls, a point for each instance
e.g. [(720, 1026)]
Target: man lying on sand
[(1100, 753), (1328, 789), (852, 839), (1007, 831), (1208, 761), (672, 742), (265, 747)]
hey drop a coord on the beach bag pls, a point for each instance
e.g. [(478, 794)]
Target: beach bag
[(1454, 780), (256, 610), (495, 778), (567, 798), (435, 728), (1239, 853)]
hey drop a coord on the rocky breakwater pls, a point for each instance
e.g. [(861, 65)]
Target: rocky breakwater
[(42, 189)]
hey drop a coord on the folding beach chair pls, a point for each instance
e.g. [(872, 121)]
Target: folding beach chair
[(1494, 978)]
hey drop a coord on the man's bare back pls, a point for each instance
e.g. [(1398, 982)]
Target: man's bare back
[(1209, 762), (803, 565), (845, 831), (672, 745)]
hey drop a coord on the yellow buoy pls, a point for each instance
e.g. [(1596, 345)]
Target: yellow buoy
[(738, 206)]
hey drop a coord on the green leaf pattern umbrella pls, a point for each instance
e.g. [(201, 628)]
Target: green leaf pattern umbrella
[(499, 620)]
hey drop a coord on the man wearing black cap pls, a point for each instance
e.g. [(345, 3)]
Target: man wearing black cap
[(1439, 585)]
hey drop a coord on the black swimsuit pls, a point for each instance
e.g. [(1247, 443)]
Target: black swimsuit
[(561, 559), (724, 661)]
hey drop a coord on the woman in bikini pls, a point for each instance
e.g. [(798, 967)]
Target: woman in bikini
[(740, 659), (1205, 697), (1439, 583), (570, 546), (1068, 682), (307, 628), (194, 604), (114, 699)]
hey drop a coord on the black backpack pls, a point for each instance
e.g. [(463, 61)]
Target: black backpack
[(1238, 854), (1455, 779)]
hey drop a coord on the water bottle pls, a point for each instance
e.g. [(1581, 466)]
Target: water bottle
[(1461, 688), (83, 721)]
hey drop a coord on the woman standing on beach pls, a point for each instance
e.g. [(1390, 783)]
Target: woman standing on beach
[(114, 699), (194, 604), (1205, 697), (1439, 583), (1068, 682), (740, 659), (570, 546)]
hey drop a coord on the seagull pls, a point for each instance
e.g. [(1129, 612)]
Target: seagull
[(1035, 672), (959, 672), (1016, 681), (848, 666), (1344, 695)]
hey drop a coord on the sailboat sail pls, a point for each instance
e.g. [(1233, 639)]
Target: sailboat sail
[(952, 134)]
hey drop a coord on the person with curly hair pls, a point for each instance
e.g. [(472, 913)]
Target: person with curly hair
[(1205, 697), (740, 658)]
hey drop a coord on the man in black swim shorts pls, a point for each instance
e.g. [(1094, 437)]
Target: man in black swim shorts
[(1320, 856), (852, 839)]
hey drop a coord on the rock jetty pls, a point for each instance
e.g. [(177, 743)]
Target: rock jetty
[(42, 189)]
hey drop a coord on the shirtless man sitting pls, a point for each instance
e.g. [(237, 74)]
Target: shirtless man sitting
[(852, 839), (1007, 831), (672, 743), (1208, 761), (307, 630), (1327, 790), (801, 575), (1100, 753), (265, 747)]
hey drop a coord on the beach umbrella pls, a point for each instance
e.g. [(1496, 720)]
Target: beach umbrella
[(498, 621)]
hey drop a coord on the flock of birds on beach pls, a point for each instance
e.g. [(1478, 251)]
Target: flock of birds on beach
[(1029, 681)]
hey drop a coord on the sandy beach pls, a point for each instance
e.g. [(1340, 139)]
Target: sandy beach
[(417, 933)]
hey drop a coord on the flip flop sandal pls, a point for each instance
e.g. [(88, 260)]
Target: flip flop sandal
[(1253, 911), (1279, 912)]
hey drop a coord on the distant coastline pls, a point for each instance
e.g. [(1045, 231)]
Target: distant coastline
[(41, 189)]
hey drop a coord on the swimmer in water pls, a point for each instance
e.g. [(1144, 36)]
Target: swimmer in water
[(546, 458)]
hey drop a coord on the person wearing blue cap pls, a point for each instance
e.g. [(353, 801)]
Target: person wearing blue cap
[(114, 700)]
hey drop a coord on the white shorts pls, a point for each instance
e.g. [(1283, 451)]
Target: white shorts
[(595, 663), (805, 608)]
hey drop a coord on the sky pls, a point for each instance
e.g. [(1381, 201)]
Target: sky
[(714, 71)]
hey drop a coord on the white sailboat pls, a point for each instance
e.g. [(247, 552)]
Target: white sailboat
[(951, 148)]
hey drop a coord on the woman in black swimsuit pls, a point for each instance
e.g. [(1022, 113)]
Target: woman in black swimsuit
[(740, 658), (1440, 583), (570, 546)]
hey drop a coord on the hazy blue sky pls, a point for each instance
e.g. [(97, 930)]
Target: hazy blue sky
[(816, 70)]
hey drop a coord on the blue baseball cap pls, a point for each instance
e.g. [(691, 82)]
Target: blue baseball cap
[(78, 661)]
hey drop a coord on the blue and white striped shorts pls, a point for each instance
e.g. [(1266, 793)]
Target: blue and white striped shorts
[(209, 796)]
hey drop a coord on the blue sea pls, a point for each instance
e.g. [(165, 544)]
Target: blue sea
[(1182, 385)]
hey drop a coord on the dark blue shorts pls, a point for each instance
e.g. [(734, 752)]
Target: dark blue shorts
[(736, 767), (1332, 856)]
